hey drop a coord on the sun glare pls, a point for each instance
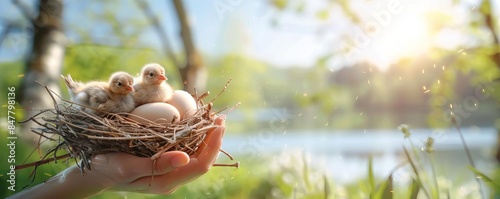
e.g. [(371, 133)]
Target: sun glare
[(406, 36)]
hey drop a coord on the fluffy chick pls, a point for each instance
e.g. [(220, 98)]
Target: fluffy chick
[(151, 85), (106, 97)]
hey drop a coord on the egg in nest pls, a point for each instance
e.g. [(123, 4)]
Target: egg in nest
[(181, 106)]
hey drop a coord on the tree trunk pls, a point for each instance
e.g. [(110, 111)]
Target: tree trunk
[(44, 62), (490, 20), (193, 74)]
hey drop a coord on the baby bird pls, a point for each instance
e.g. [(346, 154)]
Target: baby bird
[(150, 87), (110, 97)]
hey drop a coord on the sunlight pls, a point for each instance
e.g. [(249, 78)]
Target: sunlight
[(406, 36)]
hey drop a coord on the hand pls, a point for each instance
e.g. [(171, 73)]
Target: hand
[(124, 172)]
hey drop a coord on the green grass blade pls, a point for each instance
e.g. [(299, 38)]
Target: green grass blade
[(306, 173), (490, 182), (371, 177), (435, 190), (385, 191), (418, 180), (414, 189), (389, 189), (327, 187)]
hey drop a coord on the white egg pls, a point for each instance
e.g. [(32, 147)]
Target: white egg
[(184, 102), (161, 113)]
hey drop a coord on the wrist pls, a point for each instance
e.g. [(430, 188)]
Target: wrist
[(72, 183), (88, 183)]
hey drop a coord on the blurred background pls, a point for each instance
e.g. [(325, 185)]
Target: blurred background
[(323, 86)]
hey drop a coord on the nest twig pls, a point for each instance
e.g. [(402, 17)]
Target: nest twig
[(85, 135)]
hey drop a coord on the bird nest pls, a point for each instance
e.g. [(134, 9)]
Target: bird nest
[(84, 135)]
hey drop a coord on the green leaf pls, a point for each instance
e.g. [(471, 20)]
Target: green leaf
[(414, 189), (327, 190), (371, 177), (306, 173), (323, 14), (280, 4), (485, 7), (300, 8), (386, 189), (485, 179), (418, 180), (344, 4)]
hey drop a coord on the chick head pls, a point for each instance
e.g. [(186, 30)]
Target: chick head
[(153, 74), (121, 83)]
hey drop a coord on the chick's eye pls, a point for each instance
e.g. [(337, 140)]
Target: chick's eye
[(119, 84), (151, 74)]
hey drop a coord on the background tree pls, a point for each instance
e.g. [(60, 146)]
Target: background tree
[(44, 62), (193, 72)]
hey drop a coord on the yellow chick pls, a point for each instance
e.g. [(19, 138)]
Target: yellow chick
[(107, 97), (150, 86)]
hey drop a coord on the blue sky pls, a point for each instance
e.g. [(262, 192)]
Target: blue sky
[(235, 26)]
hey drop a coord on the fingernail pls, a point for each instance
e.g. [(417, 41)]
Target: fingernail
[(223, 119), (179, 161)]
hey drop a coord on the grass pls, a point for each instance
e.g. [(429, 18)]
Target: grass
[(293, 174)]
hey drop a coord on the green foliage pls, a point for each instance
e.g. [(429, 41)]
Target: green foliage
[(490, 182), (371, 177), (323, 14), (25, 153), (118, 26), (280, 4), (248, 86), (383, 190), (388, 188), (414, 189), (90, 62), (12, 73), (247, 77)]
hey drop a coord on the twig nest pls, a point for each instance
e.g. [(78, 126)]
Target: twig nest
[(148, 131), (160, 113)]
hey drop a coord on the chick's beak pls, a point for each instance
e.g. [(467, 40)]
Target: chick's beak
[(161, 78), (129, 88)]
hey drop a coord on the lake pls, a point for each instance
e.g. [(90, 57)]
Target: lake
[(343, 154)]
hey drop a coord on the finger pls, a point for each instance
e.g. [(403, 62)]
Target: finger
[(165, 184), (196, 167), (220, 122), (169, 161), (129, 167), (212, 146)]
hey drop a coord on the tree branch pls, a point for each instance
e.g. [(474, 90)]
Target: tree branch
[(5, 33), (185, 28), (193, 70), (24, 10), (159, 29)]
